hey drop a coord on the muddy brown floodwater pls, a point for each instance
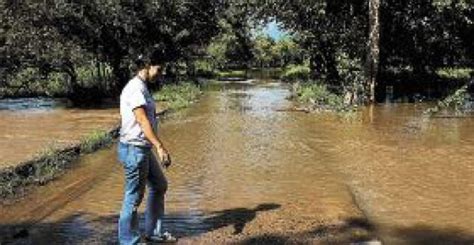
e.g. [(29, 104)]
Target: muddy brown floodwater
[(245, 172), (30, 126)]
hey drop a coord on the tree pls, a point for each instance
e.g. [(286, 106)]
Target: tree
[(288, 51), (263, 50), (372, 61), (111, 31)]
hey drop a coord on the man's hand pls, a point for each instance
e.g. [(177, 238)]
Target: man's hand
[(164, 156)]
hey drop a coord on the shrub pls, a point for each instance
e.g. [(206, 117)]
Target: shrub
[(458, 101), (295, 73), (319, 96), (205, 69), (178, 96)]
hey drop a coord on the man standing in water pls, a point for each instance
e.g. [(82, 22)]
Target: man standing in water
[(138, 136)]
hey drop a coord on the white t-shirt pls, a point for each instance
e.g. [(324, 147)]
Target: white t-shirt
[(136, 94)]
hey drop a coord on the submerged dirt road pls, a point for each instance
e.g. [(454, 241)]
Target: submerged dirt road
[(246, 173)]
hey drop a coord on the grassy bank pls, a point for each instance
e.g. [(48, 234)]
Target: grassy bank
[(50, 163), (178, 96)]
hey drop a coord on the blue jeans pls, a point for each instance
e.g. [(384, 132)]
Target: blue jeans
[(141, 168)]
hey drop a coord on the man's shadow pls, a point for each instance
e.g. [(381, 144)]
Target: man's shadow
[(55, 232), (237, 217)]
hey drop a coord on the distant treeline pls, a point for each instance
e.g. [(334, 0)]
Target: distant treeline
[(84, 50)]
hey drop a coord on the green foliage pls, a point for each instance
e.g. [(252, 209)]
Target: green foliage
[(63, 37), (95, 140), (264, 51), (30, 81), (288, 51), (318, 96), (418, 36), (455, 101), (350, 71), (205, 68), (232, 47), (178, 96), (323, 28), (426, 35), (295, 73), (56, 84), (455, 73)]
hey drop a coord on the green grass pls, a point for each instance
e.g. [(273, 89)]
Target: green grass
[(49, 163), (178, 96), (95, 140)]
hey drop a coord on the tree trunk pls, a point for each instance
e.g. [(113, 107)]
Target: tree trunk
[(372, 62)]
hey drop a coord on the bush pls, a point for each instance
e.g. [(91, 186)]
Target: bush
[(57, 85), (319, 96), (178, 96), (205, 69), (458, 101), (295, 73), (352, 76)]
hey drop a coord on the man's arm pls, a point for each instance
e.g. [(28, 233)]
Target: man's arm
[(145, 124)]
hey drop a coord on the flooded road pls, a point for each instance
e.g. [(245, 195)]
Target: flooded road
[(29, 126), (245, 172)]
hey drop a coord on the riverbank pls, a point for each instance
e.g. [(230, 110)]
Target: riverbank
[(15, 181), (61, 152)]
